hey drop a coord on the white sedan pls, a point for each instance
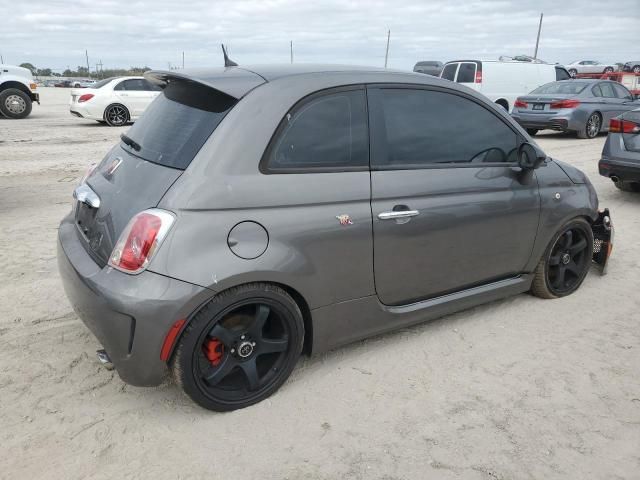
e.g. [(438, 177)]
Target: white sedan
[(114, 101), (590, 66)]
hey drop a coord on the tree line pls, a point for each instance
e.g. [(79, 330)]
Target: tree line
[(84, 71)]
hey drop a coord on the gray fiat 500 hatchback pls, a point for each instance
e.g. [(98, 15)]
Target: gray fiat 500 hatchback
[(254, 214)]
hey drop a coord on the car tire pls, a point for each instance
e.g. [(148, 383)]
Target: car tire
[(558, 275), (573, 72), (592, 126), (636, 69), (224, 360), (116, 115), (608, 70), (14, 103), (627, 186), (532, 131)]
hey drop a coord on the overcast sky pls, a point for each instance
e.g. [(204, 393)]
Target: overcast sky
[(123, 33)]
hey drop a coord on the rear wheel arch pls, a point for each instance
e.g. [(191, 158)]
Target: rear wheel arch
[(503, 103), (292, 292)]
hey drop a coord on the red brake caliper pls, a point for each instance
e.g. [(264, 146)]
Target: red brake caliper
[(214, 351)]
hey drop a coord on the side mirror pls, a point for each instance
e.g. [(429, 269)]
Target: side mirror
[(529, 158)]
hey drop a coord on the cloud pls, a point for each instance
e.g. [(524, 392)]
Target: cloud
[(122, 33)]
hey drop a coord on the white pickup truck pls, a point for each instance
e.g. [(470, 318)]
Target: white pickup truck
[(17, 91)]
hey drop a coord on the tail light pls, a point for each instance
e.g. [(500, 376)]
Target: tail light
[(520, 104), (564, 104), (86, 97), (140, 240), (478, 76), (618, 125)]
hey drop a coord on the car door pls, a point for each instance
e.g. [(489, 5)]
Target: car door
[(450, 208), (132, 94), (612, 105), (626, 99)]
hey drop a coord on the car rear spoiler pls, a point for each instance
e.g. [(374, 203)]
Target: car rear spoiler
[(234, 81)]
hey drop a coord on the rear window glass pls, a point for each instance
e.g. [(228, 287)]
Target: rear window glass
[(177, 123), (102, 83), (571, 87), (467, 73), (449, 71)]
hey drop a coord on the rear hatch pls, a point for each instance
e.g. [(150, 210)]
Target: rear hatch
[(152, 155)]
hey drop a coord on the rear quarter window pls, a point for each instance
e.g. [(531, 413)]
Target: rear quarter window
[(327, 131)]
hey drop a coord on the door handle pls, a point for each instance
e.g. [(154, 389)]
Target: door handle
[(398, 214)]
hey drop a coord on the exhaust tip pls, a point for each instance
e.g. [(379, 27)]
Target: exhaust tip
[(615, 178), (103, 358)]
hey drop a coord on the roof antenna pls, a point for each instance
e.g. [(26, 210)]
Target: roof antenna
[(227, 61)]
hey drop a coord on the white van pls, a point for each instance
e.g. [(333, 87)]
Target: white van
[(502, 82)]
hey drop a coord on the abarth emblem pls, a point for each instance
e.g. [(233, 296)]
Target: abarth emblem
[(344, 219)]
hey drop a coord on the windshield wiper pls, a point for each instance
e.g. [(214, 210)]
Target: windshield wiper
[(129, 141)]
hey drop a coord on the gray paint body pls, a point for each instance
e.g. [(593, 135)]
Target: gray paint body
[(479, 235)]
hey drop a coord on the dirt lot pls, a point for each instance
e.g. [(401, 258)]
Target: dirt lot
[(518, 389)]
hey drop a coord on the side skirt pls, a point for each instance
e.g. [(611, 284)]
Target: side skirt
[(346, 322)]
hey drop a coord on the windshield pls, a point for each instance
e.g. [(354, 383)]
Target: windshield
[(177, 123), (569, 87)]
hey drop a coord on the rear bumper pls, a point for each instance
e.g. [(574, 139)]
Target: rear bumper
[(542, 122), (625, 171), (130, 315)]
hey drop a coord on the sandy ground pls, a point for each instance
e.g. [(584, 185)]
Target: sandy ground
[(517, 389)]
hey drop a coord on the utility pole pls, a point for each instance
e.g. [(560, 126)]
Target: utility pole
[(535, 54), (86, 53), (1, 58), (291, 48), (386, 55), (183, 59), (100, 68), (169, 65)]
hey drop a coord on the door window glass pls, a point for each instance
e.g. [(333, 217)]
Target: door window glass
[(423, 127), (607, 90), (622, 92)]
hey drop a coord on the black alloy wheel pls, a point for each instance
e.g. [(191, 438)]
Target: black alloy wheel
[(240, 348), (566, 262), (608, 70), (116, 115)]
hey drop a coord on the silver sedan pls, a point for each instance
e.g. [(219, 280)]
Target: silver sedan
[(590, 66), (581, 106)]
